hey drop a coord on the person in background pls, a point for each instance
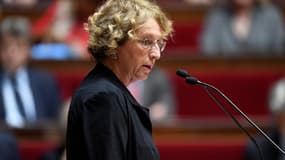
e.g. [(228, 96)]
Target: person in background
[(156, 93), (27, 96), (60, 32), (105, 122), (277, 133), (243, 28)]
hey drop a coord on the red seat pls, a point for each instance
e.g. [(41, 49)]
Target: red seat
[(68, 83), (201, 151), (33, 150), (248, 90), (185, 38)]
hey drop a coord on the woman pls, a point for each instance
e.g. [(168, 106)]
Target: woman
[(244, 27), (126, 38)]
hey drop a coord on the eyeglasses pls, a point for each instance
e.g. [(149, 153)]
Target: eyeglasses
[(149, 44)]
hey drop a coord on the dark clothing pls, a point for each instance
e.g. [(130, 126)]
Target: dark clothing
[(46, 95), (54, 154), (269, 152), (8, 147), (105, 122)]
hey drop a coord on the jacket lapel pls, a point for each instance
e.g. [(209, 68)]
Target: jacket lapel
[(143, 112), (36, 92)]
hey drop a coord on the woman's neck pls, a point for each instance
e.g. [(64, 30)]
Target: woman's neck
[(114, 66)]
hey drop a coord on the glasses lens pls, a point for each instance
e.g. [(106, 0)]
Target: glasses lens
[(149, 44), (162, 45)]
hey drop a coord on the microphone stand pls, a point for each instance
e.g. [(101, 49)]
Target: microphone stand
[(235, 120), (193, 81)]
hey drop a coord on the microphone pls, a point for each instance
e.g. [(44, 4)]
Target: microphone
[(193, 81), (182, 73), (188, 78)]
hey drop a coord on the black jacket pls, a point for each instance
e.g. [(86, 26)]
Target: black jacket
[(105, 122), (269, 152)]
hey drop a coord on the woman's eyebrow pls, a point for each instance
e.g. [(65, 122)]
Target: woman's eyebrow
[(150, 36)]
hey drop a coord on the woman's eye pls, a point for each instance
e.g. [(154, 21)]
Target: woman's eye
[(148, 42)]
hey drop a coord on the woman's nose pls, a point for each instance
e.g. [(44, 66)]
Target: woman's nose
[(155, 53)]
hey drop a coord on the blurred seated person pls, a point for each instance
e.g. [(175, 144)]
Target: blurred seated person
[(277, 133), (8, 146), (51, 44), (27, 96), (243, 27), (61, 28), (156, 93)]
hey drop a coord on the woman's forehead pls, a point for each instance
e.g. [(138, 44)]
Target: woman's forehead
[(149, 28)]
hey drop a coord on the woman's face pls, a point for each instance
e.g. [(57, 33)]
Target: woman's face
[(137, 58), (14, 53)]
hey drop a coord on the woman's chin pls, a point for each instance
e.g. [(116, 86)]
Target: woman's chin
[(143, 76)]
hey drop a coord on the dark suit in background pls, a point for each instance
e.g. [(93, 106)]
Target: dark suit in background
[(269, 152), (277, 133), (29, 96), (8, 147), (45, 92)]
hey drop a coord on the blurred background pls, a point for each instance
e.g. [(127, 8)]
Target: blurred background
[(236, 45)]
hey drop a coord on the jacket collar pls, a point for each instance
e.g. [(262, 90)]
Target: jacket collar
[(110, 75)]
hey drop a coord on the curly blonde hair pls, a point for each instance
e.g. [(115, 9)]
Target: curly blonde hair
[(116, 21)]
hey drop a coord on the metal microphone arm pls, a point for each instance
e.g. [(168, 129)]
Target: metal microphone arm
[(242, 114), (234, 119), (193, 81)]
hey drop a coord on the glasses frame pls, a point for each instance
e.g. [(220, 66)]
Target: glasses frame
[(149, 44)]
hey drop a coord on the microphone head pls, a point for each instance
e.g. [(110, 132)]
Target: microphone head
[(182, 73), (191, 80)]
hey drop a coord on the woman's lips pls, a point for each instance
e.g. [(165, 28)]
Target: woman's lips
[(148, 66)]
